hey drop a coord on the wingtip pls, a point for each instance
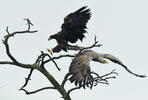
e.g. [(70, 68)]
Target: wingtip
[(49, 39), (85, 6), (82, 8), (142, 76)]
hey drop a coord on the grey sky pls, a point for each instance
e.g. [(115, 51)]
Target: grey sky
[(120, 25)]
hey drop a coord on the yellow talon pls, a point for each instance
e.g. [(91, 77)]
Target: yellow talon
[(105, 61), (50, 51)]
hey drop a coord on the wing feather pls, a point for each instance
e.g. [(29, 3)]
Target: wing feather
[(116, 60), (74, 25), (80, 71)]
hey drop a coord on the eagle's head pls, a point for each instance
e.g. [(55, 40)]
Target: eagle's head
[(52, 37), (55, 36)]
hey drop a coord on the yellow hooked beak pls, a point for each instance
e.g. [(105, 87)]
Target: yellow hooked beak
[(50, 51), (105, 61)]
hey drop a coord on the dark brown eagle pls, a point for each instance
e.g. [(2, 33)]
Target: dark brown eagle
[(72, 29)]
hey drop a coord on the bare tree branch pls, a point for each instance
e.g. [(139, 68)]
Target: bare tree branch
[(39, 64), (61, 90), (52, 61), (7, 30), (43, 59), (72, 89), (81, 48), (96, 79), (112, 72), (40, 60), (104, 78), (28, 23), (35, 91), (8, 51), (7, 62), (5, 41), (58, 57), (27, 79)]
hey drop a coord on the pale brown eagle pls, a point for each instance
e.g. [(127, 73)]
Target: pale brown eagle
[(80, 69)]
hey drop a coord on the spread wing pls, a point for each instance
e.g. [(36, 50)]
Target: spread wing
[(74, 25), (116, 60), (80, 72)]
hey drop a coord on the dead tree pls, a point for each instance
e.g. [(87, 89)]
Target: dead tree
[(41, 61)]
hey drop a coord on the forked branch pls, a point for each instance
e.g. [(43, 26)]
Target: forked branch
[(81, 48), (5, 41), (39, 64), (43, 59), (97, 79), (28, 78), (35, 91)]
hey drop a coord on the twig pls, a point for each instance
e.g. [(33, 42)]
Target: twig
[(98, 76), (81, 48), (109, 77), (38, 90), (75, 88), (28, 23), (44, 62), (112, 72), (58, 57), (7, 30), (28, 78), (104, 78), (38, 60), (94, 45), (65, 79)]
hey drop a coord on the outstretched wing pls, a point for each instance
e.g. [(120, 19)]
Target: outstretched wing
[(116, 60), (74, 25), (80, 72)]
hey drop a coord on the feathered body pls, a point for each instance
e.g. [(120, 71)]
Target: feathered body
[(80, 70), (73, 28)]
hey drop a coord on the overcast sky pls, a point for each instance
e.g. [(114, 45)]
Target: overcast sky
[(120, 25)]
